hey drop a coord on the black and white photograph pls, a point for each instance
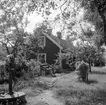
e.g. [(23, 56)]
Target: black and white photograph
[(52, 52)]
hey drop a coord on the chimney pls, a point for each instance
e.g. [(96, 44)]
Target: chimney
[(59, 35)]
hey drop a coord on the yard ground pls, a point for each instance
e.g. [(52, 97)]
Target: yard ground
[(65, 89)]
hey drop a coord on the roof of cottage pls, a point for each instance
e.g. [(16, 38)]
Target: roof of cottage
[(60, 42)]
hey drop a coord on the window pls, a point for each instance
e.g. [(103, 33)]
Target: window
[(42, 41), (42, 57)]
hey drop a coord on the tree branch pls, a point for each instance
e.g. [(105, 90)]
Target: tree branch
[(63, 4), (7, 49)]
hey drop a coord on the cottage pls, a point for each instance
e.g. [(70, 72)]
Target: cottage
[(51, 46)]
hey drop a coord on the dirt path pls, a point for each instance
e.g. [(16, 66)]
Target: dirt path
[(97, 79), (45, 98)]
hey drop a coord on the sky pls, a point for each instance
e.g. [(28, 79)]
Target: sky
[(34, 19)]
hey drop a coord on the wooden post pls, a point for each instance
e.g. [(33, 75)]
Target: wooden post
[(10, 83), (11, 70)]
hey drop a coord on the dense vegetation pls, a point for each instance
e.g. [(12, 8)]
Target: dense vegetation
[(77, 19)]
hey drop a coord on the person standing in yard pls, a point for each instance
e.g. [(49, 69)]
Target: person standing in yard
[(82, 70)]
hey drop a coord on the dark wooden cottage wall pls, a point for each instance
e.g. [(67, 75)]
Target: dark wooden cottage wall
[(51, 51)]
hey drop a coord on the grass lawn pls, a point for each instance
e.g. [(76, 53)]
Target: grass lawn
[(72, 92), (65, 89)]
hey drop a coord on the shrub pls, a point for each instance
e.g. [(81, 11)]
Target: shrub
[(82, 71), (34, 68), (27, 69)]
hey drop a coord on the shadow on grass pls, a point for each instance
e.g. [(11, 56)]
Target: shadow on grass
[(98, 72), (67, 71), (92, 82)]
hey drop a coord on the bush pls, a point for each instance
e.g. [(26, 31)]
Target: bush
[(99, 63), (34, 68), (82, 71), (27, 69)]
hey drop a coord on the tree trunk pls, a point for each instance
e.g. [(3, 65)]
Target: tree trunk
[(11, 71), (89, 65), (101, 7), (7, 49), (104, 23), (10, 83)]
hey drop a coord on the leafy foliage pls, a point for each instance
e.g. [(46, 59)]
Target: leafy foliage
[(82, 71), (90, 54), (12, 27)]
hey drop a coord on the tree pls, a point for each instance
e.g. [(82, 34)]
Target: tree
[(68, 11), (13, 21), (11, 26), (96, 10), (101, 7), (31, 47), (14, 17), (2, 53)]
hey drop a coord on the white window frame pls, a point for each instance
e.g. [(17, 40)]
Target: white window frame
[(44, 41), (42, 54)]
